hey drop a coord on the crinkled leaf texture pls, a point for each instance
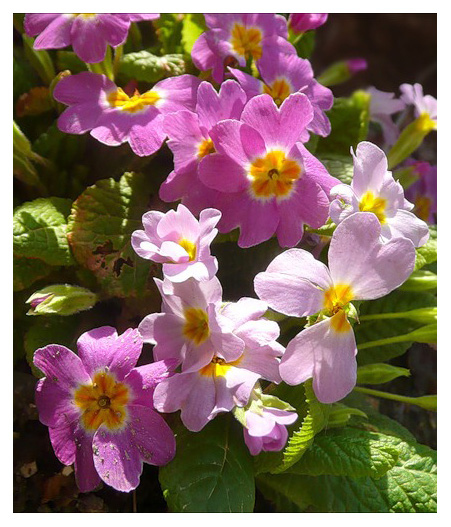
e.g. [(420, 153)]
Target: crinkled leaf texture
[(100, 226), (428, 252), (211, 472), (40, 228), (303, 433), (409, 486), (145, 66)]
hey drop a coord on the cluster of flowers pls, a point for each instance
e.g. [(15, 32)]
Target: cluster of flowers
[(239, 161)]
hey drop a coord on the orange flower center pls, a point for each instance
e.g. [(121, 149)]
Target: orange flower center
[(246, 41), (205, 148), (102, 402), (196, 326), (273, 175), (279, 90)]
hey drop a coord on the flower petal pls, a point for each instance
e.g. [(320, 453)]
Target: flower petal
[(61, 366), (357, 257)]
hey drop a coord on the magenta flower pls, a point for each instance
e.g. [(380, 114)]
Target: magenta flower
[(97, 104), (361, 267), (373, 189), (99, 409), (190, 141), (302, 22), (88, 33), (191, 326), (382, 106), (233, 39), (264, 176), (221, 384), (425, 106), (423, 193), (180, 242), (286, 74)]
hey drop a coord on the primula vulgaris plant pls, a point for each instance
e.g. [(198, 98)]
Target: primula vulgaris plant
[(247, 389)]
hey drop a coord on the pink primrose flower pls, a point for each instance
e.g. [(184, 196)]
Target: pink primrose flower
[(190, 141), (180, 242), (233, 39), (423, 192), (266, 431), (373, 189), (283, 75), (424, 105), (222, 384), (302, 22), (97, 104), (99, 409), (266, 180), (361, 267), (191, 326), (88, 33), (382, 106)]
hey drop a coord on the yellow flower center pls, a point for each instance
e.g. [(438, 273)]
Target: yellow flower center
[(423, 207), (425, 124), (273, 175), (102, 402), (218, 367), (279, 90), (205, 148), (370, 203), (246, 41), (340, 322), (136, 103), (196, 326), (336, 297), (189, 247)]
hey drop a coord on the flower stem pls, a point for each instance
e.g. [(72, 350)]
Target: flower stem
[(428, 402)]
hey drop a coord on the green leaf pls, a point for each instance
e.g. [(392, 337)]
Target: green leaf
[(24, 77), (313, 423), (428, 252), (169, 31), (349, 118), (39, 59), (68, 60), (348, 452), (410, 486), (27, 270), (193, 26), (305, 45), (100, 226), (379, 373), (339, 166), (144, 66), (211, 472), (421, 280), (373, 330), (39, 229), (340, 415)]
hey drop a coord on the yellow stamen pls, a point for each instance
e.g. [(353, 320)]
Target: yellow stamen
[(196, 325), (279, 90), (371, 203), (189, 247), (205, 148), (273, 175), (136, 103), (246, 41), (102, 402), (218, 367), (336, 297)]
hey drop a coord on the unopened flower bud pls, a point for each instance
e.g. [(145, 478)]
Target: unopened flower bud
[(342, 71), (61, 299)]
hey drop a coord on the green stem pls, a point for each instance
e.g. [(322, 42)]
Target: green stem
[(428, 402), (105, 67), (384, 342), (381, 316), (118, 52)]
